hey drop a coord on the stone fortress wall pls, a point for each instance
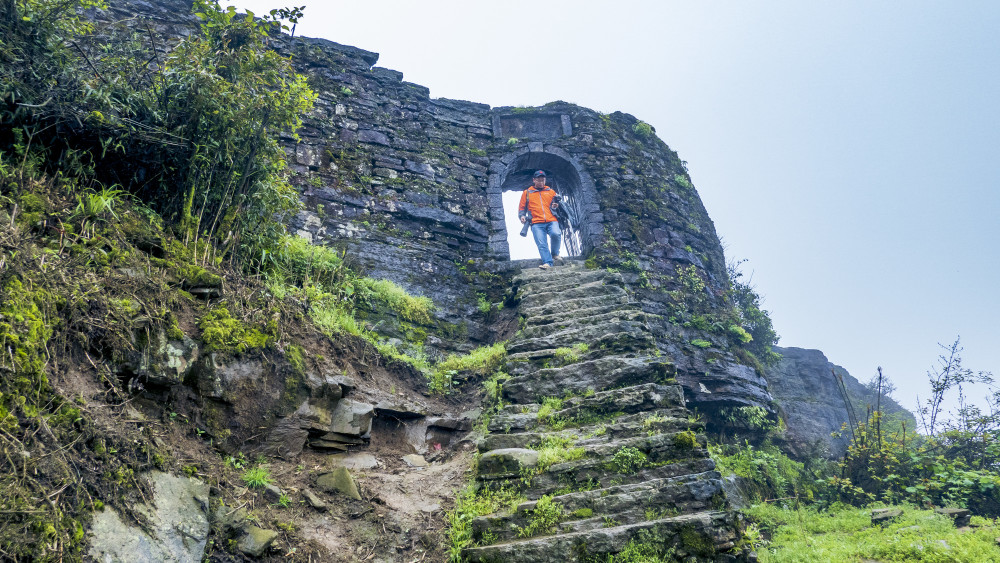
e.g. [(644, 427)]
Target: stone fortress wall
[(411, 187)]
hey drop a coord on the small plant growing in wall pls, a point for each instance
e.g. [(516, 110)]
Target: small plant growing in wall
[(685, 440), (543, 519), (642, 129), (628, 460)]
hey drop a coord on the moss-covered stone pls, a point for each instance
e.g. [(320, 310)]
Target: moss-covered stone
[(340, 481)]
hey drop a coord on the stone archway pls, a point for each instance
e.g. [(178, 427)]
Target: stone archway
[(513, 172)]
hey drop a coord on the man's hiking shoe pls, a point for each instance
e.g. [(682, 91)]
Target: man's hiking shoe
[(545, 266), (558, 259)]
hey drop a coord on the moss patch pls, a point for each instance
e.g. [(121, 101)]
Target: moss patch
[(221, 332)]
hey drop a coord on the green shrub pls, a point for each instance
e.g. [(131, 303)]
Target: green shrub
[(549, 406), (483, 304), (482, 361), (470, 504), (543, 519), (642, 129), (685, 440), (628, 460), (767, 471)]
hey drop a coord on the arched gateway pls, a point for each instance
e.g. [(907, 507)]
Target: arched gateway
[(564, 174)]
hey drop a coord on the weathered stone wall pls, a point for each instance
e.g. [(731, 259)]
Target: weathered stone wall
[(411, 187)]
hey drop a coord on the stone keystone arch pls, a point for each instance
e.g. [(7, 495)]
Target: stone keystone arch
[(565, 174)]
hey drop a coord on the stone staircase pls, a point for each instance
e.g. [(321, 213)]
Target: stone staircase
[(595, 437)]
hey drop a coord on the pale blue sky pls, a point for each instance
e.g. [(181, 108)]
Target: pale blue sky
[(847, 149)]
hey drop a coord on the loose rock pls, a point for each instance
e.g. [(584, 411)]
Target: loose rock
[(256, 541), (339, 480)]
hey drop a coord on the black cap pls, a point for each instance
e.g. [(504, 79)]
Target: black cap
[(539, 174)]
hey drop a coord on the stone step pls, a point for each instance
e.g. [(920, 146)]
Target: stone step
[(581, 322), (568, 278), (593, 473), (631, 335), (644, 397), (675, 418), (532, 271), (618, 458), (576, 379), (623, 504), (524, 363), (665, 421), (567, 306), (576, 313), (694, 537), (590, 289)]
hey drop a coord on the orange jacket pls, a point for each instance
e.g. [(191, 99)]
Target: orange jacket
[(538, 203)]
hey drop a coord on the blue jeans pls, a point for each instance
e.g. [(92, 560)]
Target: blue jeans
[(541, 232)]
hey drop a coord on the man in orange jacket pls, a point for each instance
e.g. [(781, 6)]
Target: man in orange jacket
[(538, 203)]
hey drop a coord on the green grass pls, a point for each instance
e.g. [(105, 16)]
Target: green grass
[(549, 406), (257, 477), (557, 449), (846, 534), (482, 361), (408, 307), (472, 503)]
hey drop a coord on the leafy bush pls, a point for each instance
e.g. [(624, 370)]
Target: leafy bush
[(768, 473), (196, 137), (628, 460), (469, 505), (754, 329), (543, 519), (642, 129)]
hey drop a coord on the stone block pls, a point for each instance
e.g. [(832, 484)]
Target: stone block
[(508, 461), (256, 541), (415, 460), (374, 137), (166, 362), (339, 481), (314, 501), (307, 155), (357, 461), (885, 515), (960, 516), (352, 418)]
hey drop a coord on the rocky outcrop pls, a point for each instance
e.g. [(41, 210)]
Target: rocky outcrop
[(812, 406), (596, 436), (178, 525)]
